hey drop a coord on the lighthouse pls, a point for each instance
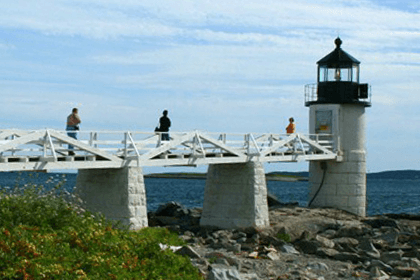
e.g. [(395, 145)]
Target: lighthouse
[(337, 116)]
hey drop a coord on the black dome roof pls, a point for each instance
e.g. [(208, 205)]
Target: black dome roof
[(338, 58)]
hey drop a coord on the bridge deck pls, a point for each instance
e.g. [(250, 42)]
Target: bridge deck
[(48, 149)]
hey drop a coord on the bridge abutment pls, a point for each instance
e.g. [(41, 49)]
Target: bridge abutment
[(119, 194), (235, 196)]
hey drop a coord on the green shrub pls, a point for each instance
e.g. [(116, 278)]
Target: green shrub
[(45, 236), (284, 236)]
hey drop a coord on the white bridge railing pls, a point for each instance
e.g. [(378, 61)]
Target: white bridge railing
[(49, 149)]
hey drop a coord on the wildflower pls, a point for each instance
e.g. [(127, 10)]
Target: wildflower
[(80, 272)]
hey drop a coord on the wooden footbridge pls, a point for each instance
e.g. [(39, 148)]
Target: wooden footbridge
[(47, 149)]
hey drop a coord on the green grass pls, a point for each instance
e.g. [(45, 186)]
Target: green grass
[(45, 236)]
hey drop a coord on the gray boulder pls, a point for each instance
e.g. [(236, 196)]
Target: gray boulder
[(188, 251), (289, 249), (171, 209), (368, 249), (390, 237), (223, 273), (404, 272), (326, 252), (388, 257), (352, 257), (325, 242), (273, 256), (381, 265), (416, 276), (351, 242), (238, 235), (381, 222), (351, 231), (308, 246), (318, 266)]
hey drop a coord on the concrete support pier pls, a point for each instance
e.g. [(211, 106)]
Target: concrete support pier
[(119, 194), (235, 196)]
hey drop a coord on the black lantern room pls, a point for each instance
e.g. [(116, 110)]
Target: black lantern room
[(338, 80)]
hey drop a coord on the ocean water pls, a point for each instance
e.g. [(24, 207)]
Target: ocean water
[(383, 195)]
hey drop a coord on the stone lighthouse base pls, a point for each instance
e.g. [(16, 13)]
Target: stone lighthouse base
[(342, 185)]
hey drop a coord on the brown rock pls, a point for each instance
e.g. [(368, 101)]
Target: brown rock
[(325, 242), (345, 256), (369, 250), (351, 231), (391, 256), (307, 246), (404, 271), (273, 256), (326, 252), (346, 240)]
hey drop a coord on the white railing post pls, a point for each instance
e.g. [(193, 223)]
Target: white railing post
[(246, 143), (300, 143), (134, 147), (125, 144), (110, 150), (337, 143), (44, 145), (222, 138), (13, 150), (255, 144), (91, 139), (159, 134), (270, 140), (48, 136), (200, 144)]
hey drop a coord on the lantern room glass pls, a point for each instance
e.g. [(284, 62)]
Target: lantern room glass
[(338, 74)]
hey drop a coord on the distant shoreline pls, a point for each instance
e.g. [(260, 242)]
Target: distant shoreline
[(298, 176), (269, 177)]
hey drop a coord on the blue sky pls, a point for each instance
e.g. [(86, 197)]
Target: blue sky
[(218, 66)]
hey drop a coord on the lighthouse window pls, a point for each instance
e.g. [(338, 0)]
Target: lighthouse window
[(323, 122), (355, 73), (323, 74), (339, 75)]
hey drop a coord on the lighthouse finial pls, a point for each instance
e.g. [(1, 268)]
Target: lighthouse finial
[(338, 42)]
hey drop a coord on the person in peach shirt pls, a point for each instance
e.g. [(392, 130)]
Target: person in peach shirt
[(291, 127)]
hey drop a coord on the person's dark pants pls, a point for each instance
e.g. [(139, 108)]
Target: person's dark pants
[(71, 134), (164, 137)]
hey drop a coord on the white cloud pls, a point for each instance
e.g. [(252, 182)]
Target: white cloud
[(102, 19), (6, 46), (61, 18)]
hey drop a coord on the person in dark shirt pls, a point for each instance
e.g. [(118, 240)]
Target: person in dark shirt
[(72, 125), (164, 124)]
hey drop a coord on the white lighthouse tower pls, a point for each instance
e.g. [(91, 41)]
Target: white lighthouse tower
[(337, 112)]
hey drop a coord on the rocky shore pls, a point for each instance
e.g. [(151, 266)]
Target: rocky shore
[(301, 243)]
